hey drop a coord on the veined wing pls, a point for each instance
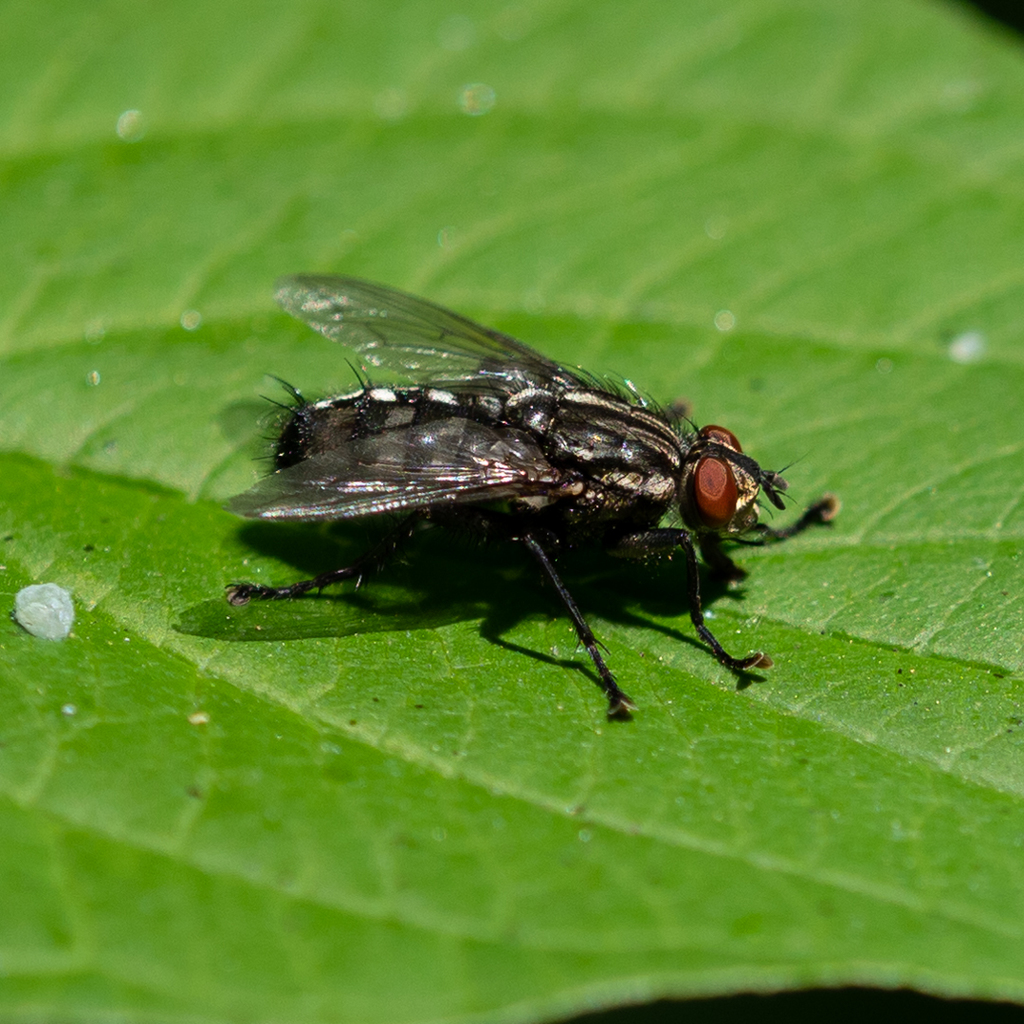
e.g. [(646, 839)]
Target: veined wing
[(417, 338), (453, 461)]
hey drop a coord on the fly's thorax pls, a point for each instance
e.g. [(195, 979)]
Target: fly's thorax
[(719, 485), (605, 437)]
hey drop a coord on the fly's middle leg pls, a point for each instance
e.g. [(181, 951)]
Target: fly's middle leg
[(619, 704), (492, 525)]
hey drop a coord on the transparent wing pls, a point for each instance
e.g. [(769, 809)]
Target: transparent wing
[(451, 461), (419, 339)]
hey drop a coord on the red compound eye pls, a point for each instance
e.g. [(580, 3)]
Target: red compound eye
[(722, 436), (714, 487)]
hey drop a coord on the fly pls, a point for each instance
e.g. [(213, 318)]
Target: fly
[(485, 435)]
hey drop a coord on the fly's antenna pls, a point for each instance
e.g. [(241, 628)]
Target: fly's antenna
[(772, 484)]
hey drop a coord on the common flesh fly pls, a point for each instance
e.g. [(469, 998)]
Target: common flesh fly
[(482, 434)]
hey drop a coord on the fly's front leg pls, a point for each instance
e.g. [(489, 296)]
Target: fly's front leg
[(824, 510), (654, 542), (619, 705), (373, 560)]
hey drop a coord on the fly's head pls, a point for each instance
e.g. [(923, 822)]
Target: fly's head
[(720, 484)]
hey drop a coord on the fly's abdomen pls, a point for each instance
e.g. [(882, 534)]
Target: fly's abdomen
[(318, 427)]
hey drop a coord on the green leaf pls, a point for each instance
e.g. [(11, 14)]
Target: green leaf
[(404, 804)]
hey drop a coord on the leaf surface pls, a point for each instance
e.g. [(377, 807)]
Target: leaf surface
[(404, 804)]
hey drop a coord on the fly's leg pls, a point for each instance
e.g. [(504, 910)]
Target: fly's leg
[(619, 705), (756, 660), (490, 525), (654, 542), (824, 510), (373, 560), (661, 541)]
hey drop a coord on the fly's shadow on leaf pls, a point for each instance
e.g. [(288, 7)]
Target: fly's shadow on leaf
[(440, 580)]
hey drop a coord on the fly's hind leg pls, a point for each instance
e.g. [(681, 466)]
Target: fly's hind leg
[(372, 561)]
